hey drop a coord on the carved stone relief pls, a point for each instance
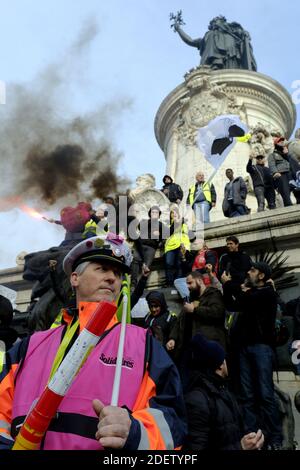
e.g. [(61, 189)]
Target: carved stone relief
[(203, 102), (261, 142), (147, 198)]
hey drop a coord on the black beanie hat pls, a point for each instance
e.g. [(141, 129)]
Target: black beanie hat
[(263, 268), (167, 176), (207, 355)]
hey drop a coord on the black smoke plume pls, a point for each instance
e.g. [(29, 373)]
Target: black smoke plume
[(49, 157)]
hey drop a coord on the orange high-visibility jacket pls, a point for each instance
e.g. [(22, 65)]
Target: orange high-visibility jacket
[(157, 417)]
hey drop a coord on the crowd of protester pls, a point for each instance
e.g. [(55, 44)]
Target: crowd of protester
[(223, 339)]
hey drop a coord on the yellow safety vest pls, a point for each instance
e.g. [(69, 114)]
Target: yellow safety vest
[(2, 358), (206, 192), (92, 228), (178, 238), (57, 321)]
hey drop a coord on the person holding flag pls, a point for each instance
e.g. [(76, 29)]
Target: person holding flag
[(218, 138), (127, 394), (202, 197)]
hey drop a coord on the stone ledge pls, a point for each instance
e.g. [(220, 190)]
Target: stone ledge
[(286, 376), (262, 88), (282, 222)]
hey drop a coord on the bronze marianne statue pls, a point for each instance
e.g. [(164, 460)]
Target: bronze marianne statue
[(224, 46)]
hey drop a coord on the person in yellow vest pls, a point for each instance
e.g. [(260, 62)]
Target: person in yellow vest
[(97, 225), (176, 247), (202, 197)]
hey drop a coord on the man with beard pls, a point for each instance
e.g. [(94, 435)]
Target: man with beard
[(204, 314), (257, 304)]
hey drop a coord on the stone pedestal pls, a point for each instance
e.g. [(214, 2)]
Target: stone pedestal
[(261, 102)]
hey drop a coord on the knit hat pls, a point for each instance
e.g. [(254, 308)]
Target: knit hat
[(263, 268), (207, 355)]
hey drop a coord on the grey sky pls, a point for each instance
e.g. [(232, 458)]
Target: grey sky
[(135, 57)]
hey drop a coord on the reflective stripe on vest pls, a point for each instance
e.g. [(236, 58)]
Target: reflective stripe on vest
[(5, 428), (95, 379), (57, 321), (2, 360), (163, 426), (144, 441), (206, 192), (6, 436)]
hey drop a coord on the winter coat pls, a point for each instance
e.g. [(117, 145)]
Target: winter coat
[(173, 191), (214, 419), (256, 320), (147, 227), (278, 162), (208, 318), (237, 264), (260, 174), (239, 193), (161, 324)]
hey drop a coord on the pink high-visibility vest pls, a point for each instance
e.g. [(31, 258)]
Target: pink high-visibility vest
[(95, 380)]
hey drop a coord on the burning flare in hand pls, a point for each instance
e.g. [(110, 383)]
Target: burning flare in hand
[(30, 211)]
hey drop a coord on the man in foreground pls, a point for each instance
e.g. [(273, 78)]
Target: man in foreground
[(150, 412), (214, 418), (254, 336)]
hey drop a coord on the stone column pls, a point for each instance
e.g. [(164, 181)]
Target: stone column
[(261, 102)]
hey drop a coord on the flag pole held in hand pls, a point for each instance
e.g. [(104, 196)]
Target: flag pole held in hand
[(117, 379), (38, 419)]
